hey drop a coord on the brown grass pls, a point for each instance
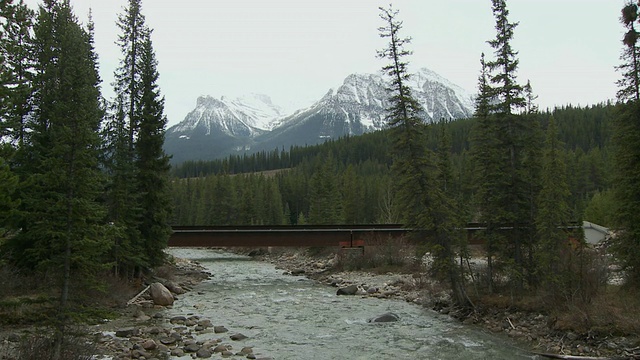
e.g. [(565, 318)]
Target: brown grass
[(611, 312), (380, 255)]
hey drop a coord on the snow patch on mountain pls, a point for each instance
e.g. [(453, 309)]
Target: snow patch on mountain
[(357, 106), (247, 115)]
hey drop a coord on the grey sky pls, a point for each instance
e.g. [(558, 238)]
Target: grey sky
[(296, 50)]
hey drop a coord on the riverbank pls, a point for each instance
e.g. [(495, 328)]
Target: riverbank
[(146, 331), (527, 324), (139, 328)]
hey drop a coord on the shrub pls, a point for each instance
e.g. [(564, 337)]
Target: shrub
[(381, 254), (42, 347)]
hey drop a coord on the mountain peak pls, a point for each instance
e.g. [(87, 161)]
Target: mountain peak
[(358, 105)]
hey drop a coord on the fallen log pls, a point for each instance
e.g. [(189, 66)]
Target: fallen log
[(137, 296), (572, 357)]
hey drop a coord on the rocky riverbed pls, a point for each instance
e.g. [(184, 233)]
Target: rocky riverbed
[(533, 330), (144, 331)]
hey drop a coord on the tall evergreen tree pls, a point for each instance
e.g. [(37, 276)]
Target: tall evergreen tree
[(62, 229), (8, 204), (152, 163), (501, 148), (138, 193), (325, 204), (423, 205), (485, 155), (16, 68), (553, 215), (627, 140)]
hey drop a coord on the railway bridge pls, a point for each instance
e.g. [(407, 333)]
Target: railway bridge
[(303, 236)]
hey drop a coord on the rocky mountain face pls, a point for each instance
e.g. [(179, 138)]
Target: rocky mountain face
[(219, 127)]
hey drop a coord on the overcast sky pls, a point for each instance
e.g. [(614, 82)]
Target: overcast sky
[(296, 50)]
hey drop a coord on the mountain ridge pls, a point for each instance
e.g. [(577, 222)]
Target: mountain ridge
[(221, 126)]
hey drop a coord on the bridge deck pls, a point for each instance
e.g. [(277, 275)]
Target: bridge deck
[(301, 236), (294, 236)]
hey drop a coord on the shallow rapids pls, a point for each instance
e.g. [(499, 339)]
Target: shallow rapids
[(291, 317)]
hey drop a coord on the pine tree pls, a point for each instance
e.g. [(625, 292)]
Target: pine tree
[(325, 203), (423, 205), (139, 169), (152, 163), (627, 140), (553, 215), (8, 204), (16, 68), (501, 147), (62, 217), (486, 163), (352, 195)]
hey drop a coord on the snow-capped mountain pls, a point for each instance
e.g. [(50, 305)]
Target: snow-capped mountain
[(218, 127), (245, 116)]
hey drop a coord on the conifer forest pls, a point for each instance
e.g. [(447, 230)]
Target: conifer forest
[(87, 190)]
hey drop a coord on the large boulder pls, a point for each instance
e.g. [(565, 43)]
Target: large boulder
[(349, 290), (160, 294), (388, 317)]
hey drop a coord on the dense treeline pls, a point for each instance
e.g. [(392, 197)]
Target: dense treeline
[(584, 132), (83, 181), (371, 146)]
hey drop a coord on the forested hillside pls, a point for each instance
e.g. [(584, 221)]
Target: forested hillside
[(354, 173)]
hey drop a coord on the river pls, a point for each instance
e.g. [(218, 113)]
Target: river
[(291, 317)]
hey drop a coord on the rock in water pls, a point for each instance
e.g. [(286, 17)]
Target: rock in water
[(349, 290), (160, 294), (238, 337), (388, 317)]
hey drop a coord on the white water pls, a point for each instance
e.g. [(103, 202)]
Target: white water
[(288, 317)]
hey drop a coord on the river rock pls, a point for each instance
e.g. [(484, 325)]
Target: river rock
[(177, 352), (297, 272), (191, 348), (219, 329), (220, 348), (204, 353), (160, 294), (238, 337), (168, 340), (125, 333), (388, 317), (136, 354), (206, 323), (174, 288), (149, 345), (349, 290)]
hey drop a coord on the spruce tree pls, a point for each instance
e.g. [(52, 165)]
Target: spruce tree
[(62, 217), (501, 146), (138, 197), (16, 69), (487, 179), (627, 140), (422, 203), (152, 163), (325, 203), (553, 212), (8, 204)]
